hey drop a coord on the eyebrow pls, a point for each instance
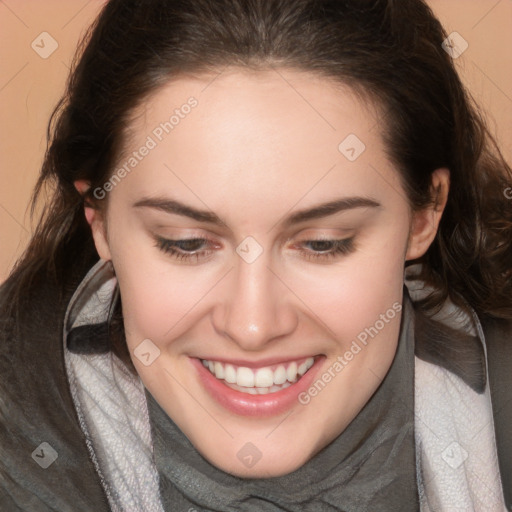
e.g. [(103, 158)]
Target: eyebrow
[(175, 207)]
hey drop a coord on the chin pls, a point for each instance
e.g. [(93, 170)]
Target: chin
[(256, 459)]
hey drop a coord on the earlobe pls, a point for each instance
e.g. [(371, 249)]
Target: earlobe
[(425, 223), (95, 220)]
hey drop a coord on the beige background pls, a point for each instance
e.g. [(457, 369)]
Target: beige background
[(31, 85)]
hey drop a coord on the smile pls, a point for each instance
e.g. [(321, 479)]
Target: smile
[(264, 380), (249, 390)]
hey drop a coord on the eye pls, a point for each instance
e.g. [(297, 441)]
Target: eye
[(325, 249), (189, 249), (185, 249)]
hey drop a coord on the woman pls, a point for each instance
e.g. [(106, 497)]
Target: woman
[(274, 274)]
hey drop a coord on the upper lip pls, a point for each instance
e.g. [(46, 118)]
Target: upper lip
[(262, 362)]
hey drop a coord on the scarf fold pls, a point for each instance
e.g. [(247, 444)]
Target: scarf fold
[(369, 466)]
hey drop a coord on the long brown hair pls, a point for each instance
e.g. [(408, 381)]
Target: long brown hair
[(390, 51)]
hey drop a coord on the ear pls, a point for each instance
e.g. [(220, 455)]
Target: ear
[(96, 220), (426, 222)]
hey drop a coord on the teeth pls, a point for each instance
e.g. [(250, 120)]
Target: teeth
[(219, 370), (230, 375), (264, 378), (260, 381), (245, 377), (280, 375), (302, 369), (259, 391), (291, 372)]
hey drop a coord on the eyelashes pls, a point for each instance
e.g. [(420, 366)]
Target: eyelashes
[(339, 248), (189, 249), (179, 249)]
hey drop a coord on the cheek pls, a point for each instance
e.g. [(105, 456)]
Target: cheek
[(156, 295), (351, 297), (157, 305)]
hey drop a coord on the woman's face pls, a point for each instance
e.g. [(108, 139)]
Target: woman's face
[(278, 282)]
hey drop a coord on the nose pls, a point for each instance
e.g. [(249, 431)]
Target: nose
[(257, 307)]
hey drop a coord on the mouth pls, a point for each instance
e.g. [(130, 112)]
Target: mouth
[(260, 381), (250, 390)]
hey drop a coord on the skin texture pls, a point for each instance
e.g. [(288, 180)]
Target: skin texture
[(255, 149)]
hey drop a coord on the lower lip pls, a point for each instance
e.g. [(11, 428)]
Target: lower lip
[(255, 405)]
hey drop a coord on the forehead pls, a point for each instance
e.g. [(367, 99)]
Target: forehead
[(274, 132), (239, 104)]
